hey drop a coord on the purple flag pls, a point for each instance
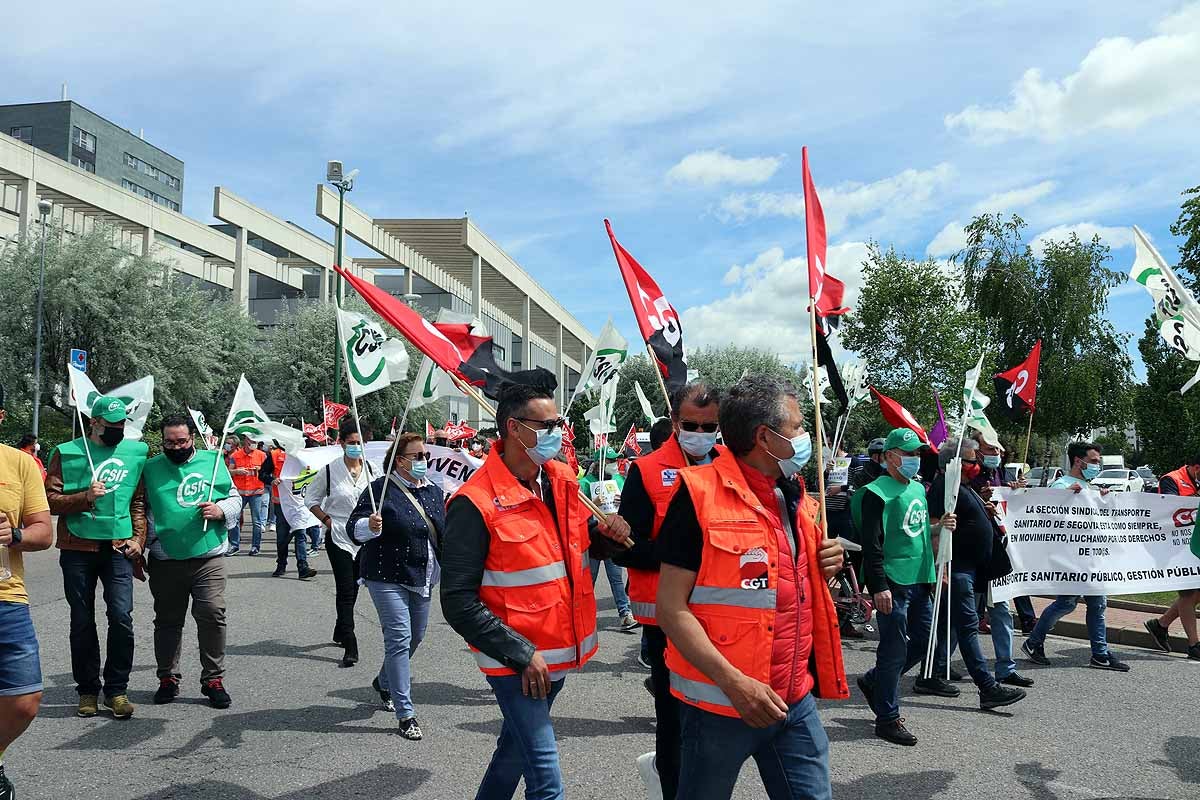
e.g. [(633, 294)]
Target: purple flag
[(939, 432)]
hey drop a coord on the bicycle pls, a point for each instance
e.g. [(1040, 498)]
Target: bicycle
[(854, 606)]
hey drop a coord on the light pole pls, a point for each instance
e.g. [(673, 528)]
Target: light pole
[(44, 207), (333, 174)]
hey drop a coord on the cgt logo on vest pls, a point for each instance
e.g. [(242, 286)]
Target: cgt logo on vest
[(192, 488), (111, 472), (753, 569), (1184, 518)]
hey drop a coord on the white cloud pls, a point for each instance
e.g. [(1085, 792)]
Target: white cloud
[(767, 308), (949, 240), (1120, 84), (713, 167), (1014, 199), (1115, 238), (903, 194)]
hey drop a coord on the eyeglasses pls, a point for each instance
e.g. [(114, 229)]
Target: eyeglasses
[(543, 424), (692, 427), (177, 442), (422, 456)]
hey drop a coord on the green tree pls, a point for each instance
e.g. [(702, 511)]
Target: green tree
[(1188, 226), (131, 314)]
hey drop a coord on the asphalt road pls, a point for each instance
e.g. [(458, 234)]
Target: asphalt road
[(301, 727)]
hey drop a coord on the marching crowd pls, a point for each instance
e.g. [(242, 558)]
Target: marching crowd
[(728, 574)]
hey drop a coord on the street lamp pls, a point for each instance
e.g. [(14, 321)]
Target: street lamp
[(343, 183), (44, 207)]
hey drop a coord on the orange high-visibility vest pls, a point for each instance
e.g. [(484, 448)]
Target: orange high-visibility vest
[(660, 476), (535, 577), (278, 456), (1183, 481), (737, 612)]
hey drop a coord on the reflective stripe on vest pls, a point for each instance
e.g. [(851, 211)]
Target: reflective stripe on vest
[(699, 692), (741, 598), (525, 577), (643, 611), (559, 658)]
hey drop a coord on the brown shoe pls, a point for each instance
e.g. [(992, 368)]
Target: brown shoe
[(120, 705), (87, 705)]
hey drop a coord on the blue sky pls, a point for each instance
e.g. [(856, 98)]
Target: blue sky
[(682, 122)]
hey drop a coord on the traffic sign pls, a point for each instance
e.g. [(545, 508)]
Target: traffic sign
[(79, 359)]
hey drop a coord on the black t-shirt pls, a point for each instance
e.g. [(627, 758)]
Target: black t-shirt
[(973, 532), (1167, 485)]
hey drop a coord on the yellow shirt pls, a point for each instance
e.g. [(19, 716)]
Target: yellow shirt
[(22, 493)]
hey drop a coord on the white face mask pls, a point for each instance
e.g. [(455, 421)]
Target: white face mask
[(697, 444)]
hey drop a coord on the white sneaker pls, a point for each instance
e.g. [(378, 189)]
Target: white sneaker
[(649, 773), (270, 527)]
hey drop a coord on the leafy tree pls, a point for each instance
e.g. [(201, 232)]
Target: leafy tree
[(131, 314), (1188, 226)]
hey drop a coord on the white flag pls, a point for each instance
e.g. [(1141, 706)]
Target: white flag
[(647, 409), (1175, 308), (604, 364), (247, 418), (372, 359), (138, 396), (431, 384), (600, 418), (205, 430)]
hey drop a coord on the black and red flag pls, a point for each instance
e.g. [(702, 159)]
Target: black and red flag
[(656, 318), (825, 359), (1017, 388), (451, 346), (825, 291), (898, 416)]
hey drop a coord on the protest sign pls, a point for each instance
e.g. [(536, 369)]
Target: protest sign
[(450, 468)]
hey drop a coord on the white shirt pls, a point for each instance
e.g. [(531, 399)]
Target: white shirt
[(337, 493)]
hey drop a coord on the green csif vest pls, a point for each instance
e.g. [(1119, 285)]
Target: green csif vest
[(907, 541), (175, 492), (120, 469)]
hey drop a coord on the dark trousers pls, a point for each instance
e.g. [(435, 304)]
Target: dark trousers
[(285, 534), (666, 712), (965, 621), (174, 583), (80, 571), (345, 578), (1025, 611)]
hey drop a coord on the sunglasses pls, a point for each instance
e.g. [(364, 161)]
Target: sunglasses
[(692, 427), (543, 424)]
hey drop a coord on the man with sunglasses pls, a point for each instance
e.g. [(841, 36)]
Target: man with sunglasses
[(92, 486), (516, 586), (648, 488)]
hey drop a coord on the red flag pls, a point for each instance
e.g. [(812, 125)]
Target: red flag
[(314, 432), (568, 447), (333, 412), (459, 431), (630, 442), (898, 416), (392, 433), (1018, 386), (429, 432), (824, 290), (656, 318)]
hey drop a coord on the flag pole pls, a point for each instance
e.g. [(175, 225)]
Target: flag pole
[(1028, 437), (658, 374), (354, 408), (812, 327), (220, 451)]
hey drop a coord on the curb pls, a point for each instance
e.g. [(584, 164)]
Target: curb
[(1126, 637)]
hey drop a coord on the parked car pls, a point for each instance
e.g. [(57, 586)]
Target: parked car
[(1119, 480), (1149, 479), (1033, 478), (1014, 471)]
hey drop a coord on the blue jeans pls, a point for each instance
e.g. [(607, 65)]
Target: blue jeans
[(1065, 604), (403, 616), (285, 535), (1001, 620), (20, 664), (80, 571), (314, 536), (903, 635), (616, 580), (964, 620), (792, 755), (526, 747), (1024, 608), (258, 511)]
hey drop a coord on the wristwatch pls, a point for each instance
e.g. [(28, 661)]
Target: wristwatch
[(16, 535)]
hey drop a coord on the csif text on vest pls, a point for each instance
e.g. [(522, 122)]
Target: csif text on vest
[(119, 469), (175, 493)]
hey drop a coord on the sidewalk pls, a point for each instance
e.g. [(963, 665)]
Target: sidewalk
[(1125, 624)]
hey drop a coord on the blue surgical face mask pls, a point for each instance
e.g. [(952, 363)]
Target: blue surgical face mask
[(1090, 471), (417, 469), (991, 462), (910, 466), (354, 451), (697, 444), (801, 453), (549, 443)]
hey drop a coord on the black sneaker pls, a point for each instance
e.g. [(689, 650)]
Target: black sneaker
[(649, 684), (1108, 662), (956, 676), (867, 690), (168, 689), (1016, 679), (214, 690), (307, 574), (1194, 652), (935, 686), (410, 730), (7, 792), (999, 696), (895, 732), (385, 696), (1035, 653), (1027, 624), (254, 551), (279, 572), (350, 656), (233, 552), (1158, 633)]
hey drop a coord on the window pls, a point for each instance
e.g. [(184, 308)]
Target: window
[(22, 133), (86, 166), (135, 163), (142, 191), (84, 140)]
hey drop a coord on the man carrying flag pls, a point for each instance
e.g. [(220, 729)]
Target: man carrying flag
[(1182, 482), (185, 557), (92, 487)]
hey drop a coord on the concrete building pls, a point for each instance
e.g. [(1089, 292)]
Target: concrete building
[(267, 263), (90, 142)]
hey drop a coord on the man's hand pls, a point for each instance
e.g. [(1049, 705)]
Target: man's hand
[(535, 678), (1104, 490), (1018, 484), (96, 491), (5, 531), (375, 522), (615, 528), (883, 601), (949, 522), (128, 548), (211, 512), (1077, 488), (985, 491), (833, 491), (831, 557), (756, 702)]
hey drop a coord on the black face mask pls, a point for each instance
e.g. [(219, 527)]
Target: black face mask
[(179, 455), (111, 437)]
